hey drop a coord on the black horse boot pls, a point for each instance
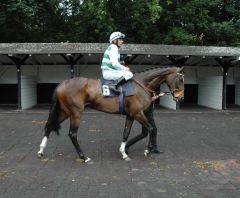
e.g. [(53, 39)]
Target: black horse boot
[(116, 84)]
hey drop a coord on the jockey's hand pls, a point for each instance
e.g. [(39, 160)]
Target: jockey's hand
[(161, 94), (127, 68), (125, 64)]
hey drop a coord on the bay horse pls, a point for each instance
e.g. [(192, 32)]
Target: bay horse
[(73, 95)]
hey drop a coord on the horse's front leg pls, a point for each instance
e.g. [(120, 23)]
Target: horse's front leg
[(126, 132), (141, 118), (152, 143)]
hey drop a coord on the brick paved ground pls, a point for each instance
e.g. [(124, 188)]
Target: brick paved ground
[(201, 159)]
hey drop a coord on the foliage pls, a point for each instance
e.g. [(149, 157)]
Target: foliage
[(210, 21), (188, 22)]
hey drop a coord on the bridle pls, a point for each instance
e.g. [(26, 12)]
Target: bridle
[(156, 95), (176, 85)]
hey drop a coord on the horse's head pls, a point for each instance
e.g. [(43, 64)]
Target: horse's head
[(172, 76), (175, 82)]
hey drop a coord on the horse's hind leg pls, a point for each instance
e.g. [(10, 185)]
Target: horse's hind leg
[(43, 144), (74, 125), (48, 130), (127, 129)]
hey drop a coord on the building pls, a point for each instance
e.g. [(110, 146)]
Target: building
[(29, 72)]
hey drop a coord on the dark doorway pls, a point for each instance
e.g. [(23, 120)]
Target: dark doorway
[(9, 94), (230, 94), (44, 92), (190, 95)]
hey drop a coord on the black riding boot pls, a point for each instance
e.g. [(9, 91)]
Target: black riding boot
[(116, 84), (152, 146)]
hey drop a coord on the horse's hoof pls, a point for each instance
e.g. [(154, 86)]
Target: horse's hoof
[(87, 160), (80, 160), (156, 151), (127, 159), (40, 155), (124, 156), (146, 152)]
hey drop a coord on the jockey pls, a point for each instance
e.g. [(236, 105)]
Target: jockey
[(112, 69)]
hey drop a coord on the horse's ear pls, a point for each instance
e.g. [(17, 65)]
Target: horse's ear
[(180, 69)]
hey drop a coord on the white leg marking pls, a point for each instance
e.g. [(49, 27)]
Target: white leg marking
[(122, 150), (43, 146), (122, 147), (146, 152), (87, 159)]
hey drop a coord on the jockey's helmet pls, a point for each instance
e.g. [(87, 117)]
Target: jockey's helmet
[(116, 35)]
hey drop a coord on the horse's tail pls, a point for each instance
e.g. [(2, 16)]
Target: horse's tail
[(53, 118)]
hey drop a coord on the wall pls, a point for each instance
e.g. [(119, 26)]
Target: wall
[(8, 75), (237, 85), (28, 91), (210, 92), (167, 101), (53, 74)]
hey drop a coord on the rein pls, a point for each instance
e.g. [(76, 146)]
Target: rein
[(144, 87), (156, 95)]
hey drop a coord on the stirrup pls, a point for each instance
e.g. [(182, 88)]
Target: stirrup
[(113, 88)]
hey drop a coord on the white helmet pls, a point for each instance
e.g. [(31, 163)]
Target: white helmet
[(116, 35)]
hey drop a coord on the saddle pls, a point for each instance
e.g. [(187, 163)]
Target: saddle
[(126, 89)]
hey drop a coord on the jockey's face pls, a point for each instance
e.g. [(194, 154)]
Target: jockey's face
[(119, 42)]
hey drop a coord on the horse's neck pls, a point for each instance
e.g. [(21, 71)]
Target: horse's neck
[(154, 84), (153, 78)]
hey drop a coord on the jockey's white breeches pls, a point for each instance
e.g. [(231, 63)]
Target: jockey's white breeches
[(116, 74)]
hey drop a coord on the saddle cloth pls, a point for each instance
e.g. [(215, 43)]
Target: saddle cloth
[(126, 89)]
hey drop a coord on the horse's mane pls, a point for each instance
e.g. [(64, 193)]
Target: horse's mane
[(154, 72), (152, 69), (145, 70)]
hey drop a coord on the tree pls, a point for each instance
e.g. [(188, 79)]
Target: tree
[(31, 21), (15, 20), (205, 22), (135, 18), (93, 23), (188, 22)]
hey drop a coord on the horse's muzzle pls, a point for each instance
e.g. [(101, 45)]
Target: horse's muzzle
[(178, 96), (179, 99)]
